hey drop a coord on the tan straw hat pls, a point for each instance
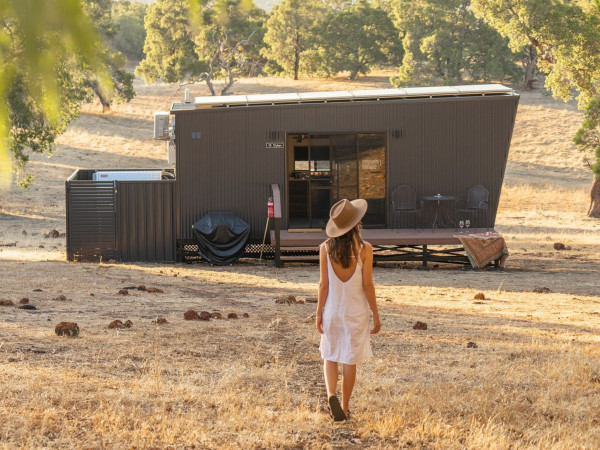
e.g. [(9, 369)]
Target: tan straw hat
[(344, 215)]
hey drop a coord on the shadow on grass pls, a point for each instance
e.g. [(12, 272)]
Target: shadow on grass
[(302, 280)]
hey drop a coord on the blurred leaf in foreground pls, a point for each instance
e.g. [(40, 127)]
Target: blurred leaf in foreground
[(43, 47)]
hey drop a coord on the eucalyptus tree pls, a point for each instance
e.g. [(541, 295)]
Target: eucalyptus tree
[(169, 47), (100, 12), (228, 35), (566, 36), (444, 42), (356, 39), (290, 33), (189, 41), (131, 34)]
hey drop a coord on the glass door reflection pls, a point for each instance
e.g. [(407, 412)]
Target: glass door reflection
[(371, 178), (325, 168)]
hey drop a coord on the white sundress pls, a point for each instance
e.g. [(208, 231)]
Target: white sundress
[(346, 316)]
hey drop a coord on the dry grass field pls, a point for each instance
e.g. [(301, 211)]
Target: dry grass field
[(531, 381)]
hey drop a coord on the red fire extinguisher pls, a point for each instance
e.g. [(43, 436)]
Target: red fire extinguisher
[(270, 214), (270, 207)]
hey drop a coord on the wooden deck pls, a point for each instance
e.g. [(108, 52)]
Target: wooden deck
[(381, 237), (438, 245)]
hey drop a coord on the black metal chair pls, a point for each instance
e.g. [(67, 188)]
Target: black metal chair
[(404, 201), (476, 203)]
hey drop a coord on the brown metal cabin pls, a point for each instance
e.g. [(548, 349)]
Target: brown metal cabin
[(309, 150)]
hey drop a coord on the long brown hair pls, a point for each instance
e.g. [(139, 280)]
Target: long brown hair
[(341, 247)]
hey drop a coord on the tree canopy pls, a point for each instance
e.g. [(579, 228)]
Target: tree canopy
[(567, 40), (131, 34), (170, 50), (444, 43), (291, 33), (229, 36), (101, 13), (195, 40), (357, 39)]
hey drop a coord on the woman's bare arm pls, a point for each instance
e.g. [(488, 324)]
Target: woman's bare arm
[(323, 286), (369, 286)]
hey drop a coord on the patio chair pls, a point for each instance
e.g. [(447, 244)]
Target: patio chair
[(476, 203), (404, 201)]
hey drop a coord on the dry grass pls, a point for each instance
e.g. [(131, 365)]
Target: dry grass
[(533, 381)]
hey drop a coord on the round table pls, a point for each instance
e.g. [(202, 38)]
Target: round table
[(442, 216)]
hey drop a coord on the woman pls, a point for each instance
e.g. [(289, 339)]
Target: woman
[(346, 292)]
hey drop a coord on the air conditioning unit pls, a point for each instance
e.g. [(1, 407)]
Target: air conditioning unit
[(161, 125)]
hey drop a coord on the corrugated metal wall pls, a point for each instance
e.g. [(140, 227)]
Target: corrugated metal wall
[(91, 219), (121, 220), (438, 145), (146, 221)]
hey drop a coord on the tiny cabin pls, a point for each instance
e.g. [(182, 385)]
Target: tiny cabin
[(308, 150)]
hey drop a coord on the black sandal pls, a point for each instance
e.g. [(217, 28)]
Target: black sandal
[(336, 409)]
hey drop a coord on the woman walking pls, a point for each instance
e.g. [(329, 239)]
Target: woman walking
[(346, 293)]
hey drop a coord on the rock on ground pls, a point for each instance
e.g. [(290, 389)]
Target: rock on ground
[(67, 329), (190, 314), (420, 326)]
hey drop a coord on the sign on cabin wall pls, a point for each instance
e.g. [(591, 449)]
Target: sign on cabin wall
[(275, 145)]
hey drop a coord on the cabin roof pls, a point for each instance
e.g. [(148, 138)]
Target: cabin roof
[(220, 101)]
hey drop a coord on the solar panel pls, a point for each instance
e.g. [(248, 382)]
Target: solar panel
[(273, 98), (325, 96), (378, 93), (484, 89), (328, 96), (431, 91)]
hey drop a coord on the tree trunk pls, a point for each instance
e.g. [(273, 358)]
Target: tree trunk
[(230, 82), (594, 210), (297, 57), (208, 80), (296, 65), (103, 101), (529, 66)]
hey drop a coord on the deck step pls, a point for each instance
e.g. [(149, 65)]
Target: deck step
[(299, 249)]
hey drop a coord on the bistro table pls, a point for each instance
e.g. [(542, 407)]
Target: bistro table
[(440, 203)]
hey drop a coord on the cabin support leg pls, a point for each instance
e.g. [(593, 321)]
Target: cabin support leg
[(278, 262), (179, 252), (424, 259), (495, 265)]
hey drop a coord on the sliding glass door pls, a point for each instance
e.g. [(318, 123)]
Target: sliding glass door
[(371, 177), (326, 168)]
